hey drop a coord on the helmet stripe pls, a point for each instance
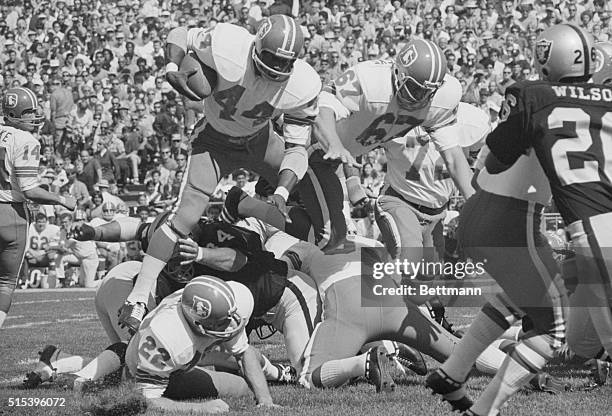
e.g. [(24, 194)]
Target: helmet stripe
[(31, 95), (230, 304), (289, 40), (440, 61), (223, 289), (585, 50), (432, 69), (294, 30)]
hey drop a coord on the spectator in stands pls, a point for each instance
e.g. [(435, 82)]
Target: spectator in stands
[(88, 170), (61, 105), (104, 188)]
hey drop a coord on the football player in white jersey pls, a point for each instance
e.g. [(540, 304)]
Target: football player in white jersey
[(19, 158), (42, 237), (245, 82), (330, 357), (367, 106), (417, 187)]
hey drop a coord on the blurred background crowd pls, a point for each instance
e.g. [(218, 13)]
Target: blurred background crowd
[(117, 135)]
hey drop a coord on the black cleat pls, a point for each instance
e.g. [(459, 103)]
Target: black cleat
[(378, 370), (229, 213), (440, 383), (548, 384), (410, 359), (44, 371), (600, 370)]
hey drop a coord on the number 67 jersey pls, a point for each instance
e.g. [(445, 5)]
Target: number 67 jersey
[(569, 126), (368, 114)]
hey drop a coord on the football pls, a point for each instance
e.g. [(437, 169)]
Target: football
[(202, 81)]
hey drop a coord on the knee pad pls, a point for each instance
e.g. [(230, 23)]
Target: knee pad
[(120, 349)]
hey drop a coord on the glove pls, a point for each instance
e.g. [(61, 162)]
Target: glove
[(131, 315), (178, 80), (83, 232)]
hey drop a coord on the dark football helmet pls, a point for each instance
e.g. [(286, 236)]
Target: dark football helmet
[(418, 72), (278, 43), (21, 110), (209, 305)]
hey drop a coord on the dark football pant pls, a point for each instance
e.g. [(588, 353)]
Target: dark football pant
[(322, 196), (346, 326), (13, 237), (199, 383), (504, 233)]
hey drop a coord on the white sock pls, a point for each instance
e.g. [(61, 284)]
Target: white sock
[(270, 371), (102, 365)]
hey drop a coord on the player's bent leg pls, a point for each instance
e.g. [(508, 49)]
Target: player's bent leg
[(329, 362), (322, 195), (112, 294), (199, 383), (13, 234), (203, 174), (296, 314)]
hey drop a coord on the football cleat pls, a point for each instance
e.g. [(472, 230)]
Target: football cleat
[(44, 371), (451, 391), (229, 213), (378, 370), (409, 359), (548, 384), (437, 311), (287, 374), (131, 316), (600, 370)]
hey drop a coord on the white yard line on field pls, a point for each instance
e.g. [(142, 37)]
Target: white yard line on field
[(79, 318), (27, 302)]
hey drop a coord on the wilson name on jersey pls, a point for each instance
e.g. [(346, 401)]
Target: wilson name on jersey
[(368, 114), (243, 102), (19, 158), (570, 129)]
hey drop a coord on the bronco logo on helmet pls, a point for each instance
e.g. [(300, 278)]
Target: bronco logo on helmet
[(11, 100), (542, 50), (202, 306), (265, 28), (409, 56)]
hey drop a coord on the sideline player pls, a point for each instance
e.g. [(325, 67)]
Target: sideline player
[(245, 81), (563, 121), (19, 159)]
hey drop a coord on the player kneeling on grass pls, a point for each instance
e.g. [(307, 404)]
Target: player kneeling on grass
[(162, 356)]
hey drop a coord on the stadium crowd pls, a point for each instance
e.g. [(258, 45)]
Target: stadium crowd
[(116, 135)]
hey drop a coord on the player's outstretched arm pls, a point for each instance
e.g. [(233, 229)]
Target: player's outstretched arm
[(41, 196), (326, 134), (251, 367), (120, 230), (459, 170), (220, 258)]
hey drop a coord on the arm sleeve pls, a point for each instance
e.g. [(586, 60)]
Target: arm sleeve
[(510, 139), (441, 128), (25, 165)]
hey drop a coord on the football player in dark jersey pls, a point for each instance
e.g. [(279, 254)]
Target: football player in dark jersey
[(565, 122)]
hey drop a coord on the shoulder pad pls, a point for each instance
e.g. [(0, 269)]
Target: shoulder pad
[(375, 80), (449, 95), (475, 124), (302, 87), (231, 47)]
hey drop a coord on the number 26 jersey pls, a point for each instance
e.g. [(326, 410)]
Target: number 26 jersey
[(368, 114), (569, 126)]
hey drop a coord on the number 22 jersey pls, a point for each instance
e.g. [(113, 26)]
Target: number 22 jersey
[(569, 126)]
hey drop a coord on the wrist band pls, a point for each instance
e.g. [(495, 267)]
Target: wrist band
[(283, 192), (200, 255), (171, 66)]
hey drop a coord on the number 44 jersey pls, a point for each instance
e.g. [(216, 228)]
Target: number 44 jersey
[(570, 128), (368, 114), (165, 343)]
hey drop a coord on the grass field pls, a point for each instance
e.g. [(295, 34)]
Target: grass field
[(67, 319)]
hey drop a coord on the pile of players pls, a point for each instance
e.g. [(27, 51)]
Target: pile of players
[(186, 308)]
